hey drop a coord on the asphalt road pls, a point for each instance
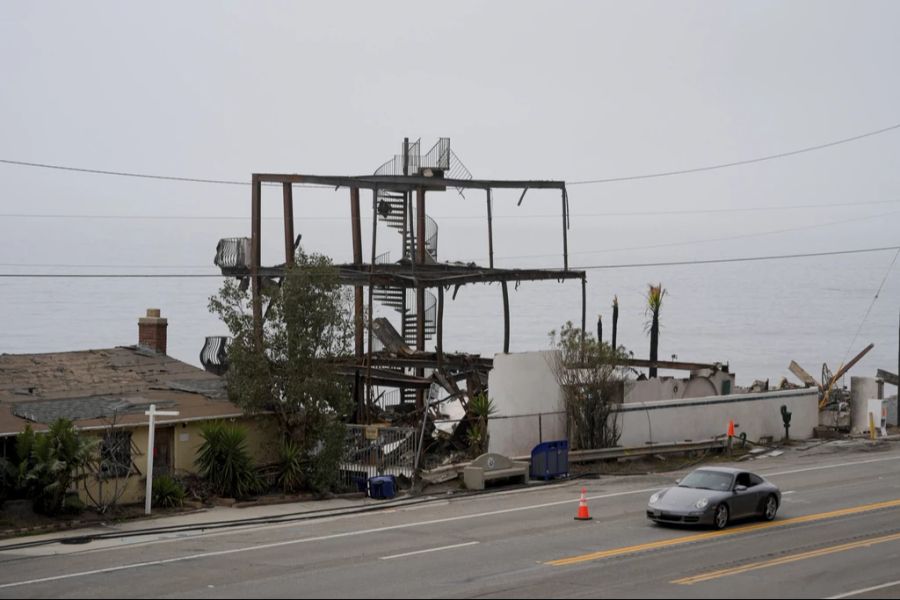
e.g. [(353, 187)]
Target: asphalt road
[(838, 532)]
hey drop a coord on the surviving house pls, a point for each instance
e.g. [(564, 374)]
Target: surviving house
[(107, 392)]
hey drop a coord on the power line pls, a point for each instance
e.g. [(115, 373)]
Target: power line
[(871, 305), (735, 260), (854, 138), (647, 213), (738, 162), (22, 163), (711, 240), (585, 268)]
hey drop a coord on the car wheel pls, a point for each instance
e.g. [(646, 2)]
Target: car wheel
[(770, 508), (720, 517)]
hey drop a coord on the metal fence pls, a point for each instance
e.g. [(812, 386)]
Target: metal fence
[(373, 450)]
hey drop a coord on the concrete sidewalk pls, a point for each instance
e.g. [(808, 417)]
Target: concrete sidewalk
[(214, 515)]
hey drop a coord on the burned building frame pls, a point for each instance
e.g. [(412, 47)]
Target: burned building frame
[(399, 192)]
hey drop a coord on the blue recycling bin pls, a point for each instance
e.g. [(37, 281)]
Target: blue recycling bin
[(383, 487), (550, 460)]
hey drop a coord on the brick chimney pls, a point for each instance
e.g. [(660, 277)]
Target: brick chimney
[(152, 331)]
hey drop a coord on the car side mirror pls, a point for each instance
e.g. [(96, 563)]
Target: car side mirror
[(740, 488), (677, 481)]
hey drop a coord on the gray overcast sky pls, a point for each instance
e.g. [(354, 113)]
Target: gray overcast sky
[(574, 90), (546, 90)]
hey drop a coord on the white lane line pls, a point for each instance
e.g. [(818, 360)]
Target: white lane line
[(405, 554), (788, 493), (865, 590), (894, 458), (320, 538)]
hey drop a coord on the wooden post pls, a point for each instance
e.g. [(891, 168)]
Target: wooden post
[(255, 258), (505, 317), (288, 224), (440, 325), (583, 307), (490, 229), (359, 326), (565, 218), (364, 409)]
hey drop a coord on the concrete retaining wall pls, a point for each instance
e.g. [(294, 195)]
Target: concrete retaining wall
[(757, 415), (530, 409)]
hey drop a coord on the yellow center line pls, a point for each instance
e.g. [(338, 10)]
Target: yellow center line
[(687, 539), (786, 559)]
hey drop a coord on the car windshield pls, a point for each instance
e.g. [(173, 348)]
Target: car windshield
[(707, 480)]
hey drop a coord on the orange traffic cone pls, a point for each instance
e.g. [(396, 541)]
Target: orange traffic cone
[(731, 428), (583, 514)]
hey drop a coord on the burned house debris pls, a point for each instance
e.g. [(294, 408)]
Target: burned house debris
[(392, 365)]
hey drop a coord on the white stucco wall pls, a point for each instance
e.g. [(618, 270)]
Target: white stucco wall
[(757, 415), (668, 388), (523, 387)]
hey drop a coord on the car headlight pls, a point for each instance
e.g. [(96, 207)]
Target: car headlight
[(655, 497), (702, 503)]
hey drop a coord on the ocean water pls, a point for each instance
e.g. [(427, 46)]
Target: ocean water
[(756, 316)]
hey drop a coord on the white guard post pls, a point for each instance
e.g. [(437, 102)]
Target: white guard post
[(153, 413)]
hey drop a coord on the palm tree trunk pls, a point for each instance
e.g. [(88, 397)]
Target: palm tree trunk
[(615, 322), (654, 342)]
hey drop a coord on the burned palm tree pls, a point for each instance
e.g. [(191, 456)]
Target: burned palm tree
[(654, 303), (615, 307)]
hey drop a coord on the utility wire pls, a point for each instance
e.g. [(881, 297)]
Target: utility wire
[(22, 163), (738, 162), (710, 240), (585, 268), (643, 214), (586, 252), (854, 138), (871, 305), (735, 260)]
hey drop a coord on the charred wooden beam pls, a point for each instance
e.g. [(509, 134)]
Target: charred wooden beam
[(288, 194), (505, 317), (407, 182), (889, 378), (255, 258), (490, 220)]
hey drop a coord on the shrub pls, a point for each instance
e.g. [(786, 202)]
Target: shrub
[(290, 466), (167, 492), (225, 462), (7, 480), (323, 461), (481, 408), (72, 504), (57, 461)]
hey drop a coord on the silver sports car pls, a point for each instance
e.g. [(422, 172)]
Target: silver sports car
[(714, 496)]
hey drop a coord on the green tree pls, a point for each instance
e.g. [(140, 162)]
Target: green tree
[(57, 461), (591, 376), (291, 373)]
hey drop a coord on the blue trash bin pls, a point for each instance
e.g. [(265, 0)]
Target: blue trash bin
[(550, 460), (383, 487)]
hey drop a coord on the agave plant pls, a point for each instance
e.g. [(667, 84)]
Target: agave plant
[(224, 460), (290, 466), (481, 408), (167, 493)]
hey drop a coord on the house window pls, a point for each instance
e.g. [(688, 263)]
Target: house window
[(115, 454)]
